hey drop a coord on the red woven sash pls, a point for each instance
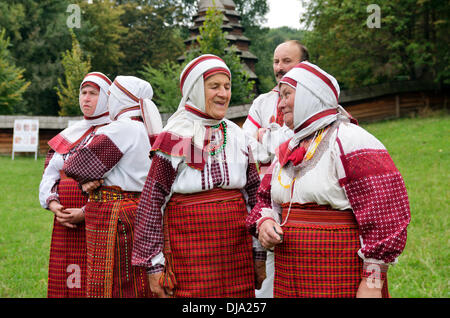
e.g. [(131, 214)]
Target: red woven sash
[(214, 195), (317, 215)]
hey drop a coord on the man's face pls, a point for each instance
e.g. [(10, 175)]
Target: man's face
[(285, 57)]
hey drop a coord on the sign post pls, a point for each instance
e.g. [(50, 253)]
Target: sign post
[(26, 136)]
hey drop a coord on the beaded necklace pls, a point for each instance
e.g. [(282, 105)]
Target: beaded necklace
[(214, 150)]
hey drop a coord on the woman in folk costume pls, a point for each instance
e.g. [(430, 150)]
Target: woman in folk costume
[(334, 205), (190, 228), (62, 196), (117, 159)]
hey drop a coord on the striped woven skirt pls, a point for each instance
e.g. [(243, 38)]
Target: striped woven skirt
[(67, 263), (207, 248), (318, 256), (109, 218)]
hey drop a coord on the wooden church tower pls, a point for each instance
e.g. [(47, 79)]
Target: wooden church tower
[(231, 25)]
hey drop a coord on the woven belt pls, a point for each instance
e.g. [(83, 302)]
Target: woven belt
[(107, 194), (318, 215)]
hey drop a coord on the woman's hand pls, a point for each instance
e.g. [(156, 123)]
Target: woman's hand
[(369, 288), (90, 186), (260, 273), (270, 234), (260, 133), (66, 217), (73, 216), (155, 287)]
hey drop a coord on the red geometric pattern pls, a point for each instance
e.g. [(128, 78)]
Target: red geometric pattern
[(68, 248), (211, 249), (263, 200), (148, 230), (377, 194), (318, 259), (109, 239), (94, 160)]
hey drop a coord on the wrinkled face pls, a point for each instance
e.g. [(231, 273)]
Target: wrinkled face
[(287, 99), (217, 95), (88, 100), (285, 57)]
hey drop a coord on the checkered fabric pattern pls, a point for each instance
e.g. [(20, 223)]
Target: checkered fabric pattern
[(148, 232), (94, 160), (263, 200), (377, 194), (109, 238), (318, 256), (211, 249), (68, 248)]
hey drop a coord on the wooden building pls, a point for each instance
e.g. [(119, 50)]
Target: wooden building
[(367, 104), (233, 28)]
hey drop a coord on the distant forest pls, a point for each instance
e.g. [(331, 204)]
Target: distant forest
[(43, 52)]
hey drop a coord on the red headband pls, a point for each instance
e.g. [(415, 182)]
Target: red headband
[(89, 83), (216, 70)]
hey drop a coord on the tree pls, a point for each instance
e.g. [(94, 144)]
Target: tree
[(38, 34), (101, 35), (411, 42), (75, 68), (12, 83), (152, 37), (164, 81)]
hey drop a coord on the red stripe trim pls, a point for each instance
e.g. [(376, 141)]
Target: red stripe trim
[(321, 76), (89, 83), (126, 92), (189, 69), (62, 145), (216, 70), (197, 112), (174, 145), (103, 77), (289, 80), (96, 117), (253, 121), (138, 107), (316, 117)]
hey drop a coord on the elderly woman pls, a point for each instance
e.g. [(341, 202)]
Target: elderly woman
[(334, 205), (202, 183), (116, 159), (62, 196)]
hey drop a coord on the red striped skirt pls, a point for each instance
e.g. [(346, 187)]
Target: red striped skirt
[(67, 263), (207, 246), (318, 256), (109, 217)]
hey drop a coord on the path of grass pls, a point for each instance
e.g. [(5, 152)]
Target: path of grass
[(419, 147)]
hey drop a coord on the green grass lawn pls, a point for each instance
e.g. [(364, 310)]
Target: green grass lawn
[(419, 147)]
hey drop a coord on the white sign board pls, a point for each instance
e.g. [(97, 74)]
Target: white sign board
[(26, 136)]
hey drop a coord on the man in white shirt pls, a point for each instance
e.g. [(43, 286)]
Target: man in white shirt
[(265, 126)]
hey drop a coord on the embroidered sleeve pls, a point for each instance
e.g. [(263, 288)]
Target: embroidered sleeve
[(263, 201), (149, 237), (378, 197), (253, 180), (94, 160)]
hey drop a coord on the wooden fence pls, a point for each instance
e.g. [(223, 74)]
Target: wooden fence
[(366, 104)]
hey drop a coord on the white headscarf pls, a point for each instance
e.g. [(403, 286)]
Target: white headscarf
[(71, 136), (190, 119), (130, 96), (316, 100)]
